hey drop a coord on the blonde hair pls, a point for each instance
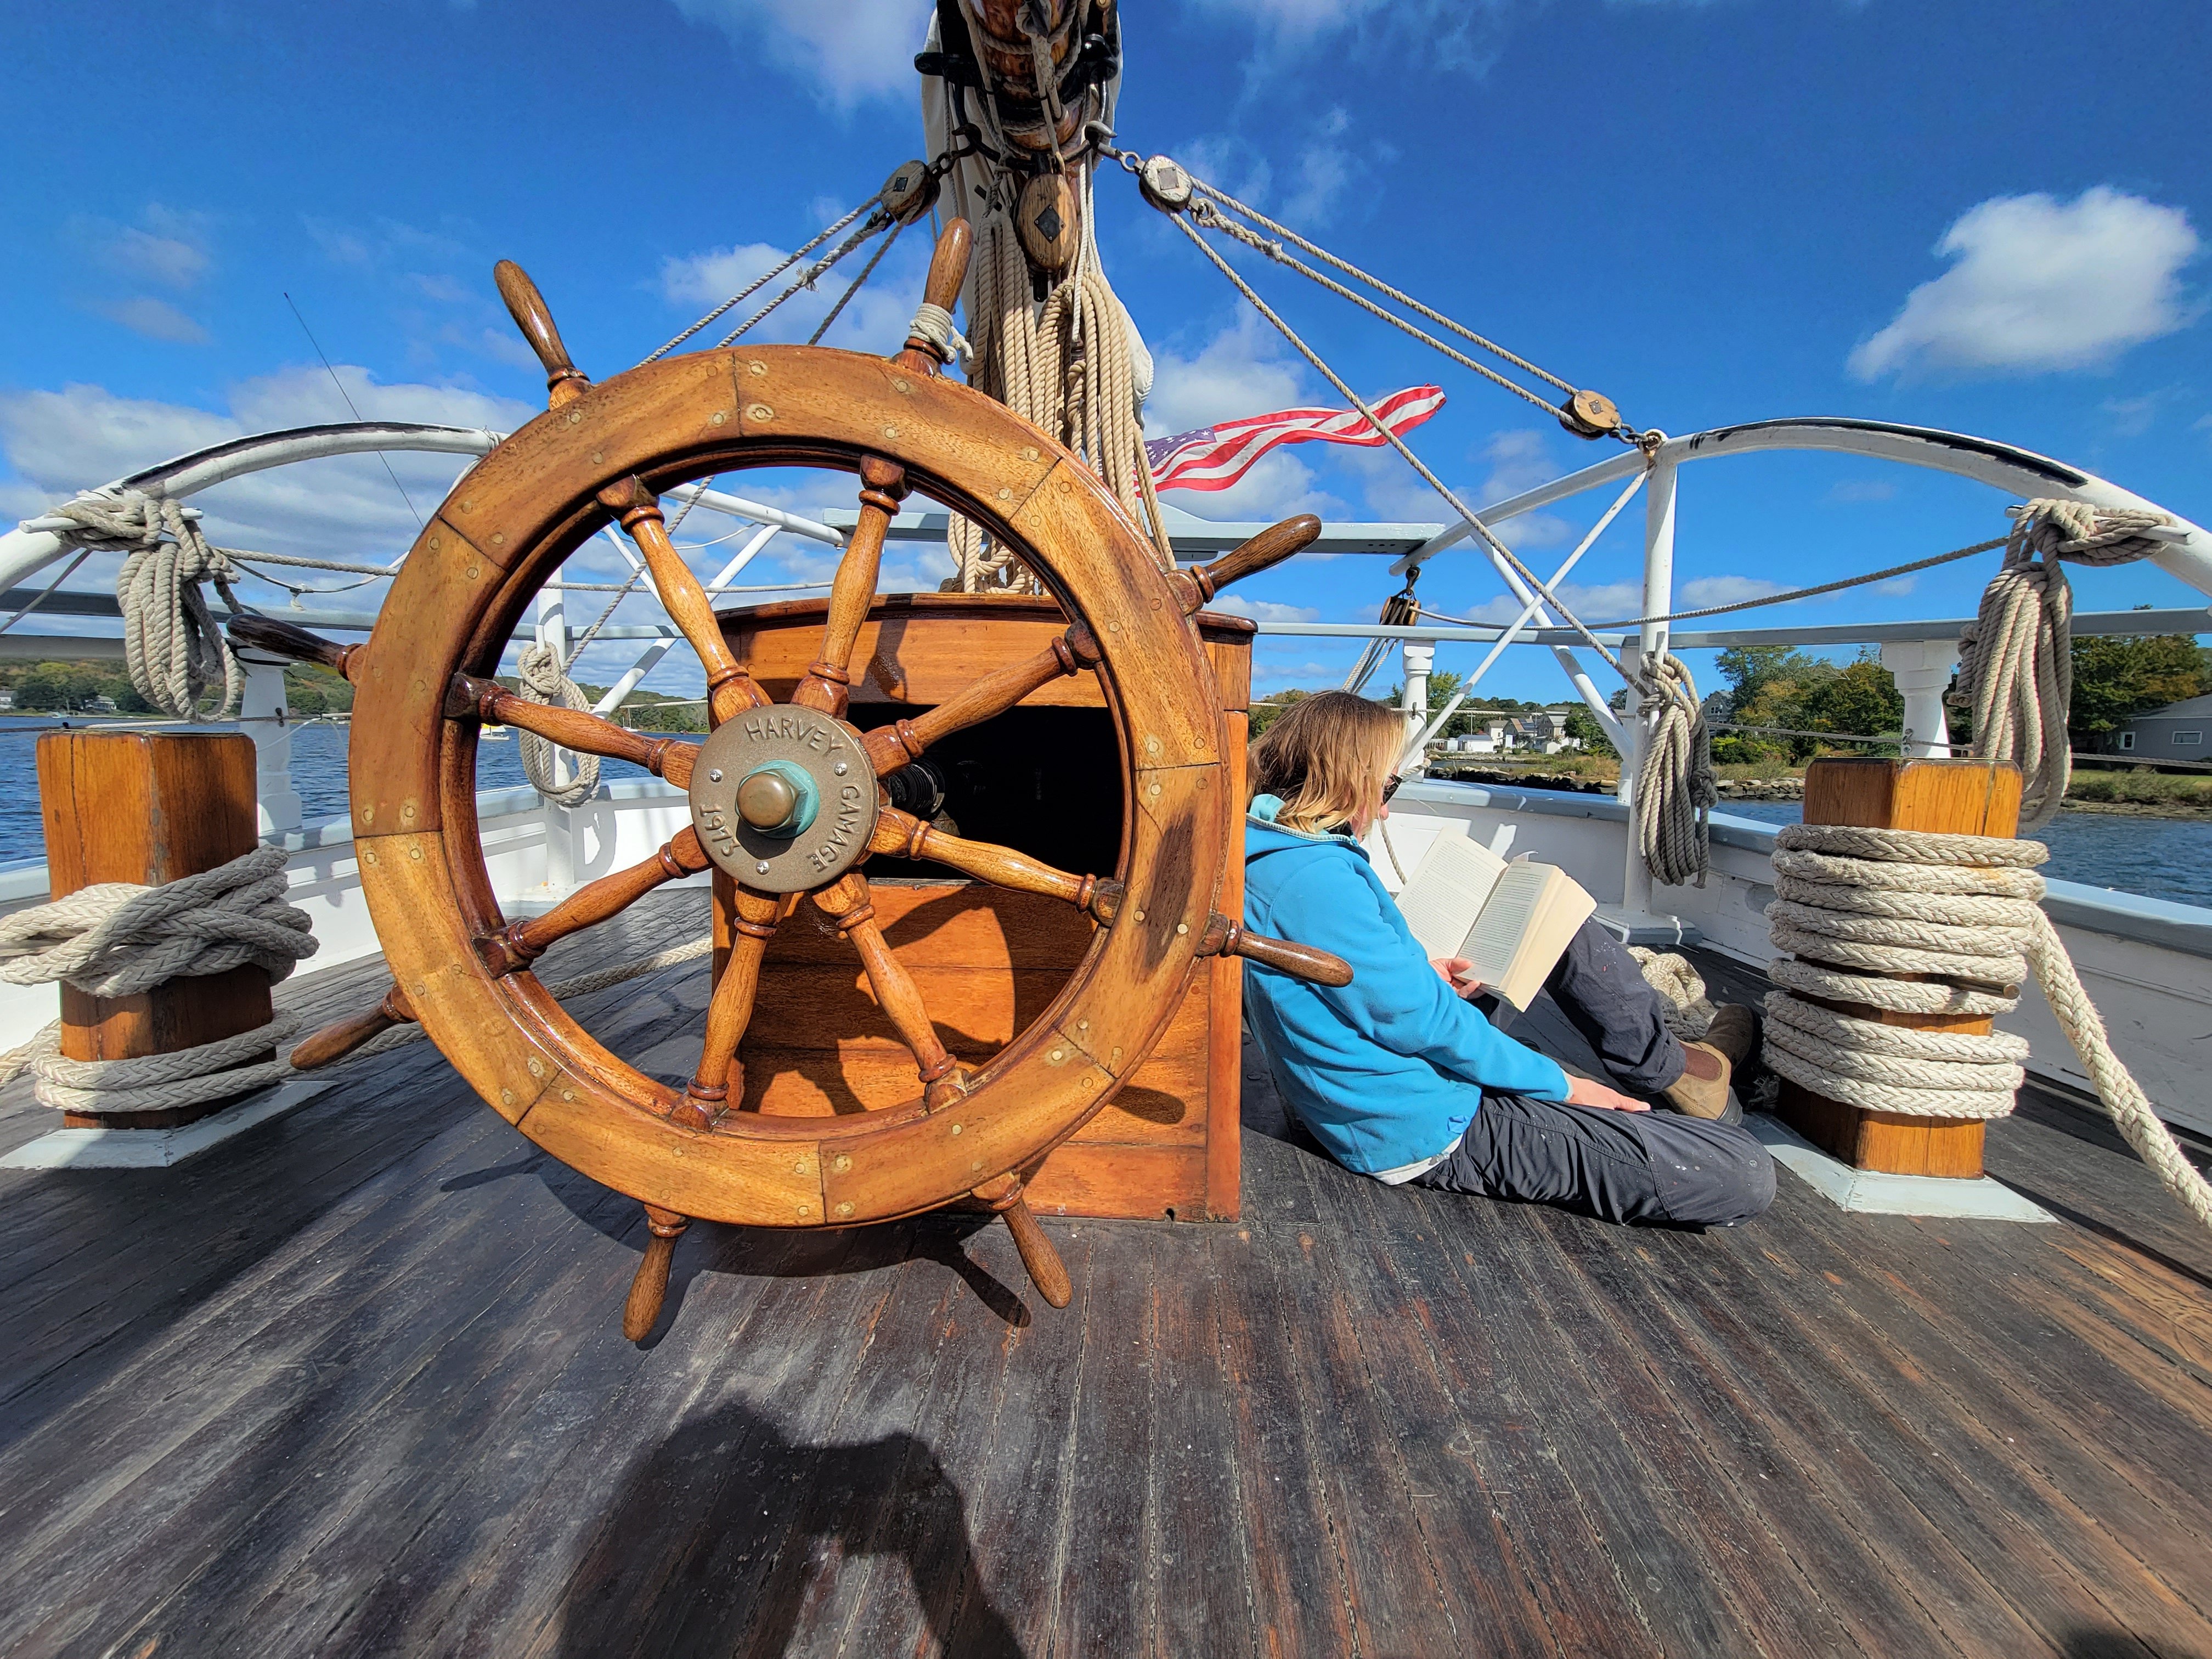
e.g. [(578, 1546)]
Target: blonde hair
[(1325, 758)]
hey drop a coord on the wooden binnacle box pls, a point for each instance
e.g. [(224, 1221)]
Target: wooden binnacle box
[(1044, 778)]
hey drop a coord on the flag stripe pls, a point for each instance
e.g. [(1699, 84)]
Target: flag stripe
[(1214, 457)]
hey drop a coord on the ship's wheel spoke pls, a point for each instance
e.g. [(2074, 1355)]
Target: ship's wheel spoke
[(730, 689), (572, 728), (846, 901), (903, 741), (902, 834), (521, 943), (827, 683), (753, 919)]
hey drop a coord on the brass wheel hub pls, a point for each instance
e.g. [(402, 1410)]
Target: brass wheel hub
[(784, 799)]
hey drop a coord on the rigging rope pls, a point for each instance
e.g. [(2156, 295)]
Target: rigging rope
[(1855, 904), (1406, 300), (1205, 213), (1451, 498), (760, 281), (2016, 658)]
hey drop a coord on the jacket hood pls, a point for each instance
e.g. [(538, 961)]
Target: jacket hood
[(1264, 837)]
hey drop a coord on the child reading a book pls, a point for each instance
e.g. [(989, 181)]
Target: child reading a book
[(1399, 1076)]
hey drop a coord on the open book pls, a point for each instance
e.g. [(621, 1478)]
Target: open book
[(1511, 921)]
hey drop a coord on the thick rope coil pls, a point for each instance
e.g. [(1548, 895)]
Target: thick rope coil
[(170, 644), (1689, 1011), (2016, 658), (186, 1077), (543, 680), (1675, 788), (118, 938), (1858, 904)]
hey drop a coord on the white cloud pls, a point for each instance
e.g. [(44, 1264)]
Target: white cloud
[(2041, 284), (850, 51), (1444, 34), (1896, 587), (1241, 371), (157, 319), (1266, 610), (56, 443)]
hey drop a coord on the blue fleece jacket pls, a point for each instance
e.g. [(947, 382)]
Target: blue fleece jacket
[(1378, 1070)]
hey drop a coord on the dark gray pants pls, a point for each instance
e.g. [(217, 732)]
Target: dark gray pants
[(1655, 1167)]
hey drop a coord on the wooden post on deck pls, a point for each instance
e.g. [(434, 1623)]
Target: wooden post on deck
[(150, 807), (1954, 797)]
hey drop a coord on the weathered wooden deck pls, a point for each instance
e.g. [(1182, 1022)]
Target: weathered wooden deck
[(353, 1383)]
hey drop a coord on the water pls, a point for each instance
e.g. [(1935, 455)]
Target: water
[(319, 773), (2159, 858), (2164, 858)]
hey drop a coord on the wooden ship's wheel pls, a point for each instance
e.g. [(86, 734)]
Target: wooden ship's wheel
[(785, 799)]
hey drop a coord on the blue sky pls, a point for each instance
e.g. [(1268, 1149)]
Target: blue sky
[(1976, 216)]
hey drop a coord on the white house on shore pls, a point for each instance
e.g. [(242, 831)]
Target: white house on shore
[(1543, 732)]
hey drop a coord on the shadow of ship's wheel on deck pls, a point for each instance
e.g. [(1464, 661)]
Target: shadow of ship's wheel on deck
[(786, 798)]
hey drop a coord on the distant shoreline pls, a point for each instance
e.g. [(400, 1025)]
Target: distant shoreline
[(1762, 790)]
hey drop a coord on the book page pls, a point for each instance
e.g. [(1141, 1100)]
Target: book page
[(1447, 893), (1534, 911), (1495, 938)]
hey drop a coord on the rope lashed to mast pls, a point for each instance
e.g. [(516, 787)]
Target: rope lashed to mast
[(1856, 905)]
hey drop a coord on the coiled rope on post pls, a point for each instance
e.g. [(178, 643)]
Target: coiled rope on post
[(170, 644), (545, 681), (1675, 788), (119, 939), (2016, 658), (1856, 905)]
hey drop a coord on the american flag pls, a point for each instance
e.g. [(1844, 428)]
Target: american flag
[(1216, 457)]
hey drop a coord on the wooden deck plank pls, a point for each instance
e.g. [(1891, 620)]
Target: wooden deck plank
[(352, 1384), (1198, 1534)]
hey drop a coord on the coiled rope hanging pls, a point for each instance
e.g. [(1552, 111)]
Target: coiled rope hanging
[(1854, 904), (170, 644), (2017, 658), (1073, 366), (119, 939), (1675, 788), (544, 680)]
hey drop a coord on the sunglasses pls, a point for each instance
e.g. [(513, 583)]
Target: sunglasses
[(1390, 787)]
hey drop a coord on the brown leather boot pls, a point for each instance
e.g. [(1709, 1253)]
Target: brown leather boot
[(1703, 1090)]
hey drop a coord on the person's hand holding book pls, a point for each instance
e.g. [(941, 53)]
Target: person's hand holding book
[(1458, 972)]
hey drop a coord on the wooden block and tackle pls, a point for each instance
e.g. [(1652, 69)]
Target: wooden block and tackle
[(1950, 797), (150, 807)]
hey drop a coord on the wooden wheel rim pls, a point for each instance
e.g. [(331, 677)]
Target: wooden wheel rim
[(509, 522)]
